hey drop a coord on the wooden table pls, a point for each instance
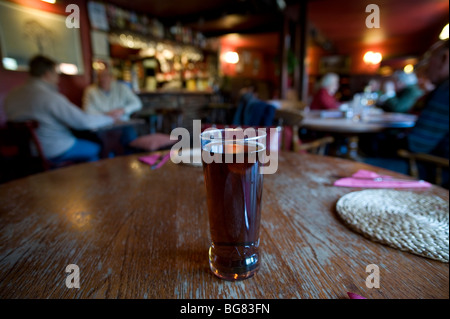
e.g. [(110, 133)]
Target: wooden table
[(352, 129), (141, 233), (112, 137)]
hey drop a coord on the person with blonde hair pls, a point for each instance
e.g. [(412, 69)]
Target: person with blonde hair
[(324, 98)]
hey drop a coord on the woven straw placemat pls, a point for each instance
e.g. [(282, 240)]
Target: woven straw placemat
[(404, 220)]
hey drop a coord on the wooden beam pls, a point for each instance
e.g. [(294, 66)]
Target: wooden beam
[(284, 47), (300, 46), (294, 36)]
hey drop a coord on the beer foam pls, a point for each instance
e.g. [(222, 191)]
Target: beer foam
[(233, 147)]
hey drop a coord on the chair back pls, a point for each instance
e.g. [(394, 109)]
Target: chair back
[(20, 150), (164, 120), (440, 164), (273, 133), (286, 137), (253, 112), (288, 117), (289, 121)]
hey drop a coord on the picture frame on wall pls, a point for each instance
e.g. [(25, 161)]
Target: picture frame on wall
[(97, 16), (339, 64), (26, 32)]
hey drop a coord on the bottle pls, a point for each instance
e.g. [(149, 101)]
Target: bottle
[(150, 74)]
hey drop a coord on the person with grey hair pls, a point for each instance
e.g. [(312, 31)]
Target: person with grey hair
[(406, 95), (324, 98), (430, 135), (110, 97)]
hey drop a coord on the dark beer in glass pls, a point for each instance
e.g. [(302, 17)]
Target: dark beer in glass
[(234, 184)]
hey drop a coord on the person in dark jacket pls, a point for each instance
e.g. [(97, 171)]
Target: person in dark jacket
[(407, 93), (430, 134)]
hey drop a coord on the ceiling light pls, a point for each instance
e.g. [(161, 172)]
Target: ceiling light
[(444, 33), (409, 68), (50, 1)]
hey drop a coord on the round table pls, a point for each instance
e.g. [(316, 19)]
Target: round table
[(352, 129), (134, 232)]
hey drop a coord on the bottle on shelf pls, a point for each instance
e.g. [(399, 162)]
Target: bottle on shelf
[(150, 66)]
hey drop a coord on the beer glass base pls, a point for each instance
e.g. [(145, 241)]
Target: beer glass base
[(233, 276)]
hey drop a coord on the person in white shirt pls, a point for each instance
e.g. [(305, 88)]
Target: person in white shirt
[(38, 99), (110, 97)]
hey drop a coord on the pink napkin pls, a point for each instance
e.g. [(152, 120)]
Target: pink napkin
[(153, 159), (163, 161), (364, 178), (150, 159), (351, 295)]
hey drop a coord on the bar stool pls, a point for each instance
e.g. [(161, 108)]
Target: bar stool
[(219, 112), (166, 119)]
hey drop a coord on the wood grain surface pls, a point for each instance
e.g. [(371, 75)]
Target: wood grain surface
[(141, 233)]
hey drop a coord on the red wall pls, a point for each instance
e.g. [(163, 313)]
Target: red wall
[(71, 86), (262, 48)]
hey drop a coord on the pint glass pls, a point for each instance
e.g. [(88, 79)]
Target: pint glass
[(231, 160)]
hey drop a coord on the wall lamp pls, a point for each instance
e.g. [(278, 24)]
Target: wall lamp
[(371, 57), (231, 57)]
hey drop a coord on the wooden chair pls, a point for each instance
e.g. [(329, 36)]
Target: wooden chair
[(20, 150), (317, 146), (287, 140), (219, 113), (290, 122), (439, 163), (166, 120), (287, 104)]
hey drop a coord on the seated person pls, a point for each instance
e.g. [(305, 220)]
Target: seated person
[(424, 84), (407, 93), (430, 134), (324, 98), (38, 99), (110, 97), (373, 88), (388, 92)]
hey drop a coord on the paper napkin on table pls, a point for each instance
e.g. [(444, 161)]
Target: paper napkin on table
[(162, 162), (152, 160), (367, 179), (352, 295)]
